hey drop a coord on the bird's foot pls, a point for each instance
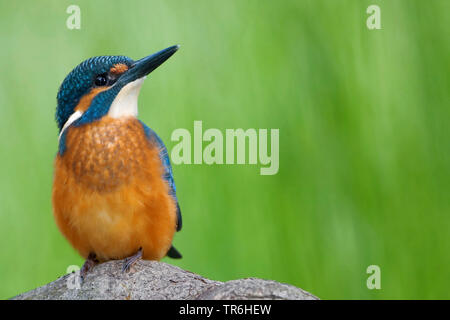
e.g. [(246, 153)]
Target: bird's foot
[(131, 260), (90, 262)]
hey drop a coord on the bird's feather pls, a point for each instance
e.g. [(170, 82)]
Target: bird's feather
[(168, 174), (174, 253)]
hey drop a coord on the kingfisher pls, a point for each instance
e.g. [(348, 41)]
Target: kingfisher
[(114, 195)]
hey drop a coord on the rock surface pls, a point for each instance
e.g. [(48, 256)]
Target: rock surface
[(159, 280)]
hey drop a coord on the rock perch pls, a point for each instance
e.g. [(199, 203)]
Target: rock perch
[(158, 280)]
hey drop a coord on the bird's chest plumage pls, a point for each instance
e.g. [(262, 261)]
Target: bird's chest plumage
[(107, 154), (108, 194)]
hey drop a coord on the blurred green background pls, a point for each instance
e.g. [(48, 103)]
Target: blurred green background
[(364, 136)]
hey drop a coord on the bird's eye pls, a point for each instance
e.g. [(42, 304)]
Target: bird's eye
[(100, 80)]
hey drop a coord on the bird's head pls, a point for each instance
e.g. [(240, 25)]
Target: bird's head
[(105, 85)]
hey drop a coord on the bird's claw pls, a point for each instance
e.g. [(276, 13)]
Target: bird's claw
[(90, 262), (128, 263)]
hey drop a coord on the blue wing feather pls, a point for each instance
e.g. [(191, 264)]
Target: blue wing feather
[(168, 174)]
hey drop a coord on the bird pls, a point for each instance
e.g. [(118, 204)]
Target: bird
[(113, 195)]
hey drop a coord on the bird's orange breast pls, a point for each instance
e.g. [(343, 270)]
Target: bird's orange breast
[(109, 197)]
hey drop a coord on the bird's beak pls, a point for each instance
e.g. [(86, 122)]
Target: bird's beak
[(144, 66)]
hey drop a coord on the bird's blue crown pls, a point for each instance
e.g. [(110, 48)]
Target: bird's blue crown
[(80, 81)]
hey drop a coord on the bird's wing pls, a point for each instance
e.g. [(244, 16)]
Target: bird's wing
[(167, 175)]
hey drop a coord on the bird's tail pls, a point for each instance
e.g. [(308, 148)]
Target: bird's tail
[(173, 253)]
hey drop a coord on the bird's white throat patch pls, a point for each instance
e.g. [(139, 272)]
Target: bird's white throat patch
[(125, 103)]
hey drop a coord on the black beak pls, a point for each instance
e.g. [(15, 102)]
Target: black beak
[(144, 66)]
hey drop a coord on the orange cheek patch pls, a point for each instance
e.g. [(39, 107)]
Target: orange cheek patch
[(86, 100), (119, 68)]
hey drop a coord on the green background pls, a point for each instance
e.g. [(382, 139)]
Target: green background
[(364, 136)]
